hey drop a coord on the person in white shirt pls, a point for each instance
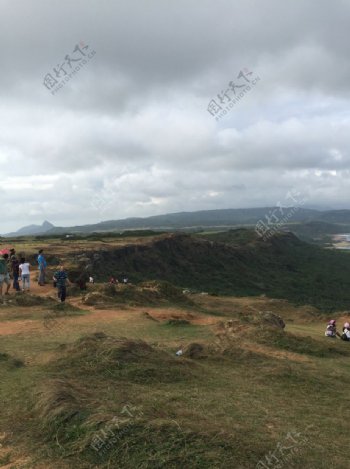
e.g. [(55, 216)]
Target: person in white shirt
[(25, 274), (346, 332)]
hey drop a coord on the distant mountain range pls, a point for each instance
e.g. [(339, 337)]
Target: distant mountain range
[(32, 230), (201, 219)]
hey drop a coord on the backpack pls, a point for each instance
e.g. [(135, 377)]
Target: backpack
[(3, 267), (15, 264)]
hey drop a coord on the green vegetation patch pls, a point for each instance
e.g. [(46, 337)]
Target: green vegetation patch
[(9, 362), (147, 293), (178, 322), (237, 262), (327, 348), (29, 300)]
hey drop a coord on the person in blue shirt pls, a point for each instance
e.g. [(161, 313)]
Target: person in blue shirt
[(42, 268), (61, 279)]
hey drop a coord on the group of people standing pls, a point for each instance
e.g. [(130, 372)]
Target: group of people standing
[(18, 270)]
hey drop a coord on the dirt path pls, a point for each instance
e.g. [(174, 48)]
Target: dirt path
[(99, 316), (36, 289)]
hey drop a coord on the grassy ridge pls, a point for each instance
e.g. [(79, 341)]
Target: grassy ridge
[(238, 263), (154, 410), (67, 389)]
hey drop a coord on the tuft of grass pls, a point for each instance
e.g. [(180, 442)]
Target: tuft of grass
[(124, 359), (9, 362), (29, 300), (178, 322), (58, 404), (164, 445), (66, 309)]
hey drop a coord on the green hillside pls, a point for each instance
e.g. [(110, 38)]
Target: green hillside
[(237, 262)]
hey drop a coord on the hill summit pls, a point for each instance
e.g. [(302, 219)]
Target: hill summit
[(33, 229)]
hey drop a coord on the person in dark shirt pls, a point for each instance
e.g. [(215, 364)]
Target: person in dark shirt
[(82, 280), (61, 279), (14, 264), (4, 275)]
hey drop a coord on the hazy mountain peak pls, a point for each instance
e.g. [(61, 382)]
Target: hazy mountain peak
[(32, 229), (46, 224)]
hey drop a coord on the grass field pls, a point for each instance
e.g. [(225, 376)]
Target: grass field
[(98, 383)]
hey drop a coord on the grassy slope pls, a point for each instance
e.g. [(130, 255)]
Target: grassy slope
[(236, 262), (228, 410), (289, 268)]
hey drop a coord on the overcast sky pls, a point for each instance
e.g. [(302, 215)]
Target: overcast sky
[(129, 133)]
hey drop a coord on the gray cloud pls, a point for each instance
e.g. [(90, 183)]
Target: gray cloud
[(130, 135)]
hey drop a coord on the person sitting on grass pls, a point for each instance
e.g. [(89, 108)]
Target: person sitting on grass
[(61, 278), (4, 275), (331, 330), (346, 332), (25, 274)]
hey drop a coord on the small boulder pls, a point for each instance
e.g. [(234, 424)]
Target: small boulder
[(195, 351), (271, 319)]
